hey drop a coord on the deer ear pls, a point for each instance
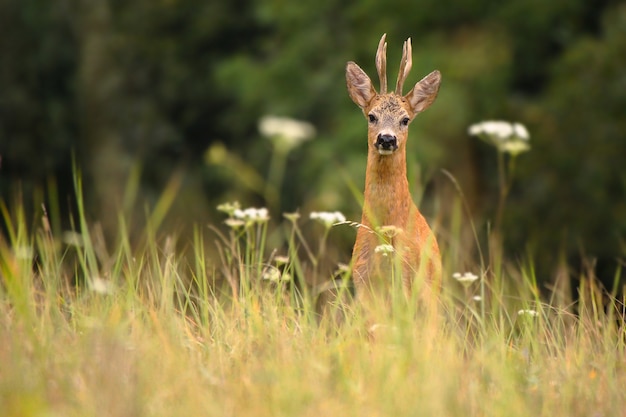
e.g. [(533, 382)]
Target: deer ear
[(424, 92), (360, 86)]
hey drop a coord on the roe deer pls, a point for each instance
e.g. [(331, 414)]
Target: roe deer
[(388, 203)]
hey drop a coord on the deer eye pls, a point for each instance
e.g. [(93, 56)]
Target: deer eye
[(405, 121), (372, 118)]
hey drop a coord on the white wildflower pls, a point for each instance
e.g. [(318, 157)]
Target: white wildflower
[(272, 274), (521, 131), (466, 278), (281, 260), (496, 129), (286, 133), (384, 249), (389, 231), (101, 286), (529, 313), (477, 298), (328, 218), (229, 208), (512, 138), (252, 215), (234, 223)]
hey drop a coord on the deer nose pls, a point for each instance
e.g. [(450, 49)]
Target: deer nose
[(387, 142)]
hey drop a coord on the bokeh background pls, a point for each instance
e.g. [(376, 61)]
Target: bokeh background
[(140, 92)]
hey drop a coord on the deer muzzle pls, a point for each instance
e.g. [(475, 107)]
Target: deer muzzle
[(386, 144)]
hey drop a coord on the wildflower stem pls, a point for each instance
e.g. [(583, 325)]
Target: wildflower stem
[(304, 244), (505, 176), (321, 252), (275, 177), (482, 301), (504, 190), (295, 264), (506, 169), (468, 212)]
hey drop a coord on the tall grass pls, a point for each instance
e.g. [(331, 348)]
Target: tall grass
[(145, 329)]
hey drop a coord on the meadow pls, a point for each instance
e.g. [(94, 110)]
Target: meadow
[(146, 329), (149, 331), (107, 313)]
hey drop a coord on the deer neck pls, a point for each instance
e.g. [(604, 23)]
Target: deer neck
[(387, 197)]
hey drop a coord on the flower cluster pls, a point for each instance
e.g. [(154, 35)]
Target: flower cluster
[(528, 313), (512, 138), (275, 275), (328, 218), (238, 217), (384, 249), (101, 286), (286, 133), (389, 231), (251, 214), (465, 278), (229, 208)]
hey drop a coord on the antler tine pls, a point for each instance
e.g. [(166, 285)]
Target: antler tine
[(381, 63), (405, 65)]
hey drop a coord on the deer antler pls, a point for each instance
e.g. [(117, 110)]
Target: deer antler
[(405, 65), (381, 64)]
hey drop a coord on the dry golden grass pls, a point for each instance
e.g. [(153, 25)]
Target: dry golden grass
[(147, 332)]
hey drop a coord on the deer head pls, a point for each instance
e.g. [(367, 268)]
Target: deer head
[(389, 114)]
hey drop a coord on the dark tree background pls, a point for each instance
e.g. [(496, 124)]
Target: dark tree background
[(176, 88)]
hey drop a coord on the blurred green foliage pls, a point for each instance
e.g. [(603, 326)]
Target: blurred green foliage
[(165, 84)]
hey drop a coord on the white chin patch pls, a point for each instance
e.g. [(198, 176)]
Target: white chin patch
[(385, 151)]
